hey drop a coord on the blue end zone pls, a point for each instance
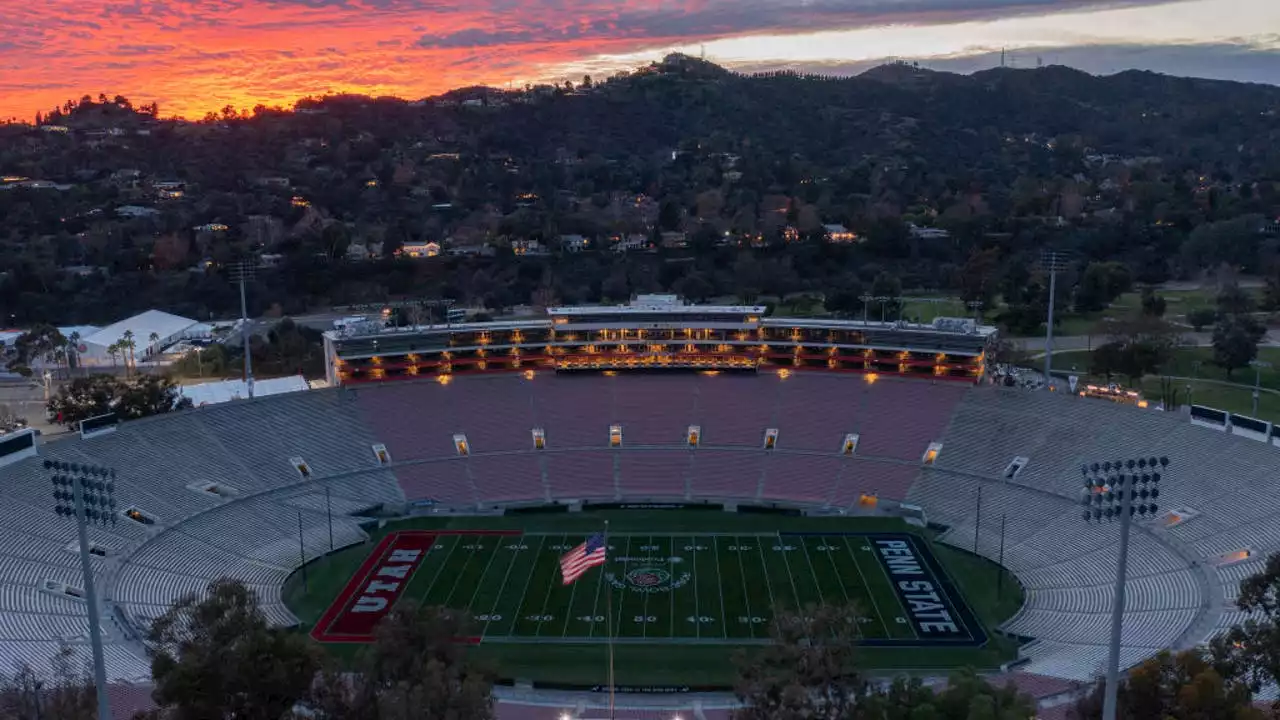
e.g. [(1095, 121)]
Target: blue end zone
[(933, 605)]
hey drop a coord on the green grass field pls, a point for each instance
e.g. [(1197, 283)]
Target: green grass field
[(1214, 388), (680, 592)]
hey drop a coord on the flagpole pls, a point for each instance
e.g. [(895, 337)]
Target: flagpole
[(609, 627)]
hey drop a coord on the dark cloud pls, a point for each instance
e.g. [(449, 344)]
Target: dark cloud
[(723, 18)]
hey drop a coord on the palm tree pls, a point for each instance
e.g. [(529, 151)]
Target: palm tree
[(154, 341), (127, 343), (113, 350), (73, 350)]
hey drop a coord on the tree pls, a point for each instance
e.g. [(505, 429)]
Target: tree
[(1202, 317), (83, 398), (62, 694), (1101, 283), (414, 670), (148, 395), (127, 345), (216, 657), (1153, 305), (153, 346), (1182, 685), (1235, 342), (36, 344), (1250, 651), (889, 288), (810, 669), (73, 349), (98, 394), (1139, 345)]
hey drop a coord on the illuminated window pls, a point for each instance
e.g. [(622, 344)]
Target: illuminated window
[(694, 435), (140, 516), (460, 444), (770, 438), (615, 436), (850, 444), (539, 439), (381, 455), (931, 455), (868, 499)]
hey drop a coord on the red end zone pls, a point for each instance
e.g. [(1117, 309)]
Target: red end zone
[(374, 589)]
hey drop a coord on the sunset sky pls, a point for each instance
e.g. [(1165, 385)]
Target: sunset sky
[(198, 55)]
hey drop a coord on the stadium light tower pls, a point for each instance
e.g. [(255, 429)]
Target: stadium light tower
[(87, 494), (1052, 261), (1110, 489), (242, 272)]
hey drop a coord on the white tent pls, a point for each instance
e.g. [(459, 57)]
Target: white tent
[(169, 328), (228, 390)]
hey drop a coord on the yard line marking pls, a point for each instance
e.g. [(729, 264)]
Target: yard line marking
[(595, 604), (836, 571), (515, 620), (764, 570), (502, 590), (870, 593), (644, 604), (480, 581), (546, 598), (617, 626), (671, 568), (715, 553), (813, 574), (791, 577), (746, 592), (573, 591), (457, 541), (697, 612)]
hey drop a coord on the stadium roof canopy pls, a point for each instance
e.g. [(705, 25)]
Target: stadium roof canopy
[(228, 390), (163, 324)]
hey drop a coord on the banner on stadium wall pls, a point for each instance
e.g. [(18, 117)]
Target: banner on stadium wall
[(652, 506)]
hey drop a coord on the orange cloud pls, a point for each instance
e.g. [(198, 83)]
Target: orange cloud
[(193, 56)]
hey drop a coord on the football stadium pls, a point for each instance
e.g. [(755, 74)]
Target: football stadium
[(722, 465)]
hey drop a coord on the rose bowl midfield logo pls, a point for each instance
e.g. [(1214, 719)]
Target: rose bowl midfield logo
[(648, 579)]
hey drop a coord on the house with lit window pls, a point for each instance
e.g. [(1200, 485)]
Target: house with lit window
[(839, 234)]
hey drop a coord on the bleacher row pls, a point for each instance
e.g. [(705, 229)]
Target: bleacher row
[(895, 422), (1183, 576), (249, 530)]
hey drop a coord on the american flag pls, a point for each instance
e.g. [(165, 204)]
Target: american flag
[(582, 558)]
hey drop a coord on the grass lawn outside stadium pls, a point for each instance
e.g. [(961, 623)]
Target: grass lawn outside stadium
[(687, 588)]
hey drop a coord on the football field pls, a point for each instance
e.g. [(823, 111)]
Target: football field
[(656, 588)]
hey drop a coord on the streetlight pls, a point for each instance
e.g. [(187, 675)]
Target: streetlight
[(1257, 381), (87, 493), (1110, 489)]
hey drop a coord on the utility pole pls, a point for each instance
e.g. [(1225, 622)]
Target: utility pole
[(1052, 261), (1257, 381), (242, 272)]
